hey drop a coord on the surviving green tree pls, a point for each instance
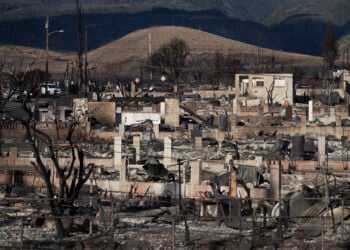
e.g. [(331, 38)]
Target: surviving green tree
[(170, 59)]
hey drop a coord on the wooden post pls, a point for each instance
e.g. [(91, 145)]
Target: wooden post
[(240, 217), (179, 166), (187, 233), (264, 223), (173, 233), (322, 233), (229, 209), (233, 185), (112, 216), (22, 233), (279, 200), (342, 218), (90, 221)]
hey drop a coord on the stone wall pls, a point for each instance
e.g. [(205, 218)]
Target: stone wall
[(243, 131), (211, 93), (299, 164), (107, 135), (9, 162), (104, 112), (15, 130)]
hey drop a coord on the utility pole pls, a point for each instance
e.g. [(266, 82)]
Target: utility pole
[(187, 231), (90, 204), (347, 56), (150, 55), (47, 35), (66, 77), (179, 165), (80, 49), (279, 200), (86, 61), (141, 76), (47, 53)]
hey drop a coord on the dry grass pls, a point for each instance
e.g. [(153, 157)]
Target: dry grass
[(133, 49), (19, 58), (136, 46)]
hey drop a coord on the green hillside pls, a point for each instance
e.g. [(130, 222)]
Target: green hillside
[(344, 46), (335, 11), (268, 12), (289, 25), (253, 10)]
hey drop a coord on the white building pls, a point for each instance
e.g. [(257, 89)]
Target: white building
[(256, 86)]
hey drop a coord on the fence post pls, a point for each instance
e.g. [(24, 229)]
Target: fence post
[(342, 218), (22, 232), (112, 215), (90, 203), (322, 235), (229, 210), (173, 233), (240, 217)]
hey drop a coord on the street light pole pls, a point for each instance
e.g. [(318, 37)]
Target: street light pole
[(47, 54), (47, 35)]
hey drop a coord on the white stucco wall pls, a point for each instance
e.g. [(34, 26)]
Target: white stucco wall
[(256, 86), (134, 118)]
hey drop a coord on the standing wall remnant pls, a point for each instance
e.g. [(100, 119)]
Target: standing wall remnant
[(132, 91), (196, 172), (103, 112), (321, 150), (123, 171), (275, 181), (198, 143), (137, 144), (172, 112), (298, 142), (156, 130), (121, 130), (80, 110), (117, 152), (233, 184), (311, 111), (167, 150)]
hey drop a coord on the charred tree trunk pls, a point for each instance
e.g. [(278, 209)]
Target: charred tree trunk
[(269, 92), (76, 176)]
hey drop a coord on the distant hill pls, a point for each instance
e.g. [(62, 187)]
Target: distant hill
[(298, 34), (135, 47), (131, 51), (103, 28), (19, 58)]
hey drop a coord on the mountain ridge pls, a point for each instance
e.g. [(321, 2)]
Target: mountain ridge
[(268, 12), (34, 8), (288, 25)]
